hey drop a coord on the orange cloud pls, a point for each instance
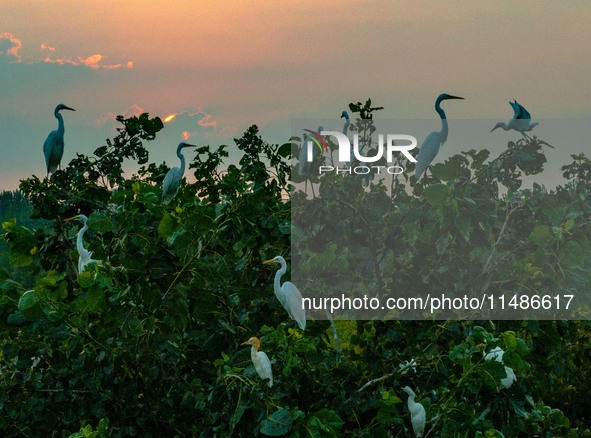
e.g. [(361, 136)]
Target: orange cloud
[(169, 118), (15, 45), (94, 62), (206, 121), (186, 135)]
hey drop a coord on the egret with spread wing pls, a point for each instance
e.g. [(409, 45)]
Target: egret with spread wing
[(433, 142), (288, 294), (172, 180), (53, 148), (521, 121), (84, 256), (260, 360)]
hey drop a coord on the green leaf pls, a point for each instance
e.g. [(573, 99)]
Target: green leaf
[(446, 171), (167, 226), (436, 194), (136, 327), (29, 305), (279, 423)]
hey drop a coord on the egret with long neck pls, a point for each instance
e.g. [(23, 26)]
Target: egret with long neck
[(433, 142), (84, 256), (418, 415), (288, 294), (53, 148), (172, 180)]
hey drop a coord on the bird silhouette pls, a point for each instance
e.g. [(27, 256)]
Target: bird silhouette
[(53, 148), (433, 142)]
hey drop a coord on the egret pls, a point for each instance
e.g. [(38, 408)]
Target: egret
[(520, 122), (433, 142), (53, 148), (84, 256), (345, 114), (288, 294), (497, 354), (407, 366), (172, 180), (418, 416), (260, 360)]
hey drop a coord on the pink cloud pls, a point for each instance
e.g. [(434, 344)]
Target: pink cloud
[(94, 62), (15, 45), (186, 135), (206, 121)]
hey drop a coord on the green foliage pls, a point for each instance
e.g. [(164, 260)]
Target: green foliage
[(148, 343)]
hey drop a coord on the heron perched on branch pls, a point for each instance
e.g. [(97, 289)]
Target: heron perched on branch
[(260, 360), (521, 121), (288, 294), (433, 142), (172, 180), (53, 148), (84, 256)]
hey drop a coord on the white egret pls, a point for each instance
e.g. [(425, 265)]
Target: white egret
[(172, 180), (497, 354), (521, 121), (260, 360), (53, 148), (433, 142), (345, 114), (408, 365), (84, 256), (418, 415), (288, 294)]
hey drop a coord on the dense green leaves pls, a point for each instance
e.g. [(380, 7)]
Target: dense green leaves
[(149, 342)]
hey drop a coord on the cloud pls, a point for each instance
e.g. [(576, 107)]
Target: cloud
[(14, 45), (206, 121), (94, 62), (186, 135)]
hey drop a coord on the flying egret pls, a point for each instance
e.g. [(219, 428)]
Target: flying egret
[(260, 360), (497, 354), (433, 142), (288, 294), (418, 416), (172, 180), (84, 256), (520, 122), (53, 148)]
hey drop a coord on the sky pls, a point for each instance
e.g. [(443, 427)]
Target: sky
[(220, 67)]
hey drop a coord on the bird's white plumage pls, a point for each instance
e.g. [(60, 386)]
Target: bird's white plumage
[(497, 354), (53, 147), (418, 415), (434, 140), (521, 121), (260, 360), (172, 180), (288, 294), (84, 256)]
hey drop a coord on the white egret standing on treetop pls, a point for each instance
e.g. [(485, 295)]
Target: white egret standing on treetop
[(84, 256), (433, 142), (53, 148), (345, 114), (418, 416), (172, 180), (260, 360), (288, 294), (520, 122)]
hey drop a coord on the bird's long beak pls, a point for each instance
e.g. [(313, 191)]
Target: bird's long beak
[(68, 108), (187, 145), (245, 343), (455, 97), (71, 218), (267, 262)]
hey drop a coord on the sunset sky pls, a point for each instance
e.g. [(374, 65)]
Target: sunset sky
[(223, 66)]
